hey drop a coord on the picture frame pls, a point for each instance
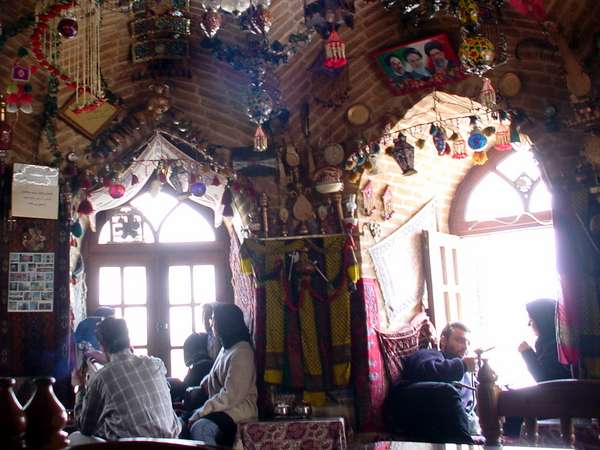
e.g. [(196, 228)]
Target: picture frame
[(88, 123), (420, 64)]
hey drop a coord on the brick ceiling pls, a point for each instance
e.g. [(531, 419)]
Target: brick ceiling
[(214, 96)]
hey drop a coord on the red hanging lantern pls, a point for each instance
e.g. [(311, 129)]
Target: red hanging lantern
[(503, 138), (260, 140), (335, 52)]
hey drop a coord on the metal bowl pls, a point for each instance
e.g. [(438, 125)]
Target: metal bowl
[(282, 409), (303, 410)]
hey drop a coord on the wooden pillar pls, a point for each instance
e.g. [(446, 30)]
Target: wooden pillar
[(487, 400)]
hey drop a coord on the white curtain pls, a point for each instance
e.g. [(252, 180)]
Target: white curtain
[(157, 148)]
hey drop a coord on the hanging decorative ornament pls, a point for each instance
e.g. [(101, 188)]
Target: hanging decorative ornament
[(67, 27), (210, 22), (260, 140), (256, 20), (77, 65), (440, 140), (487, 96), (459, 148), (227, 201), (134, 179), (85, 206), (477, 54), (489, 131), (19, 91), (503, 138), (468, 14), (216, 181), (198, 189), (116, 190), (404, 154), (479, 158), (260, 105), (477, 139), (335, 52)]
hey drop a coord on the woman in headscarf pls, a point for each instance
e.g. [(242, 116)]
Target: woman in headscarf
[(196, 358), (543, 362), (231, 383)]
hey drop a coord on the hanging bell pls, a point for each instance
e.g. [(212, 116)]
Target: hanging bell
[(335, 52), (260, 140)]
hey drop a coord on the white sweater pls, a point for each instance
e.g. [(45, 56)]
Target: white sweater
[(231, 384)]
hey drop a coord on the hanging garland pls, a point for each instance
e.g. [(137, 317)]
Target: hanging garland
[(49, 118)]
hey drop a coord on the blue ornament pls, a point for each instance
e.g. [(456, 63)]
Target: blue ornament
[(76, 229), (198, 189), (477, 140)]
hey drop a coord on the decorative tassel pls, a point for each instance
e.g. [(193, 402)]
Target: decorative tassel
[(134, 179), (85, 207), (226, 201), (335, 52), (487, 97), (216, 181), (260, 140), (479, 158)]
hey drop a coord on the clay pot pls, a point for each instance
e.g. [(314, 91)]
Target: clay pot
[(12, 416), (46, 417)]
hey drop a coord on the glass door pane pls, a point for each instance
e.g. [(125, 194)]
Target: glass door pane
[(121, 287)]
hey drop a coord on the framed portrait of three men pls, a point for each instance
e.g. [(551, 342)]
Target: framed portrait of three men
[(419, 64)]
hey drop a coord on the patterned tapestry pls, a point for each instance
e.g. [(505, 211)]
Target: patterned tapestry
[(579, 306), (398, 261), (35, 343), (303, 334), (367, 361)]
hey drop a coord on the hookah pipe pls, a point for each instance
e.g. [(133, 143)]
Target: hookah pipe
[(478, 352)]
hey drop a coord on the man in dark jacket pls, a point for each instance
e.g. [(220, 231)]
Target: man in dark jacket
[(433, 402)]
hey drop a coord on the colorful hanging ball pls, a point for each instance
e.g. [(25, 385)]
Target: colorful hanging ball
[(67, 27), (477, 54), (116, 190), (477, 140), (198, 189), (210, 22)]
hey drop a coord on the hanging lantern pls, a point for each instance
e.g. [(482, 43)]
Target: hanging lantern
[(503, 139), (116, 190), (335, 52), (479, 158), (260, 140), (67, 27), (477, 54), (459, 149), (477, 139), (404, 154), (487, 96), (198, 189)]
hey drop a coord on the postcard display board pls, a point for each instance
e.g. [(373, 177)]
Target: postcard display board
[(30, 282)]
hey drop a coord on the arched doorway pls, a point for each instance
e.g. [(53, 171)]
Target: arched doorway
[(502, 211), (156, 260)]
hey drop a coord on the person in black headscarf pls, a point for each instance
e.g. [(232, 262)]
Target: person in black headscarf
[(543, 362)]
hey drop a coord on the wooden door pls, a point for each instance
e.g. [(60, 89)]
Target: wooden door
[(444, 285)]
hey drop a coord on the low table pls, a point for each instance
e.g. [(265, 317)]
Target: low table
[(301, 434)]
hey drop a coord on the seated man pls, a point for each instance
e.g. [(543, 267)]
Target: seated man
[(128, 397), (433, 403), (195, 355)]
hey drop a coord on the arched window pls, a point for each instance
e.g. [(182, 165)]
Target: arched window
[(505, 193), (502, 210), (156, 260)]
